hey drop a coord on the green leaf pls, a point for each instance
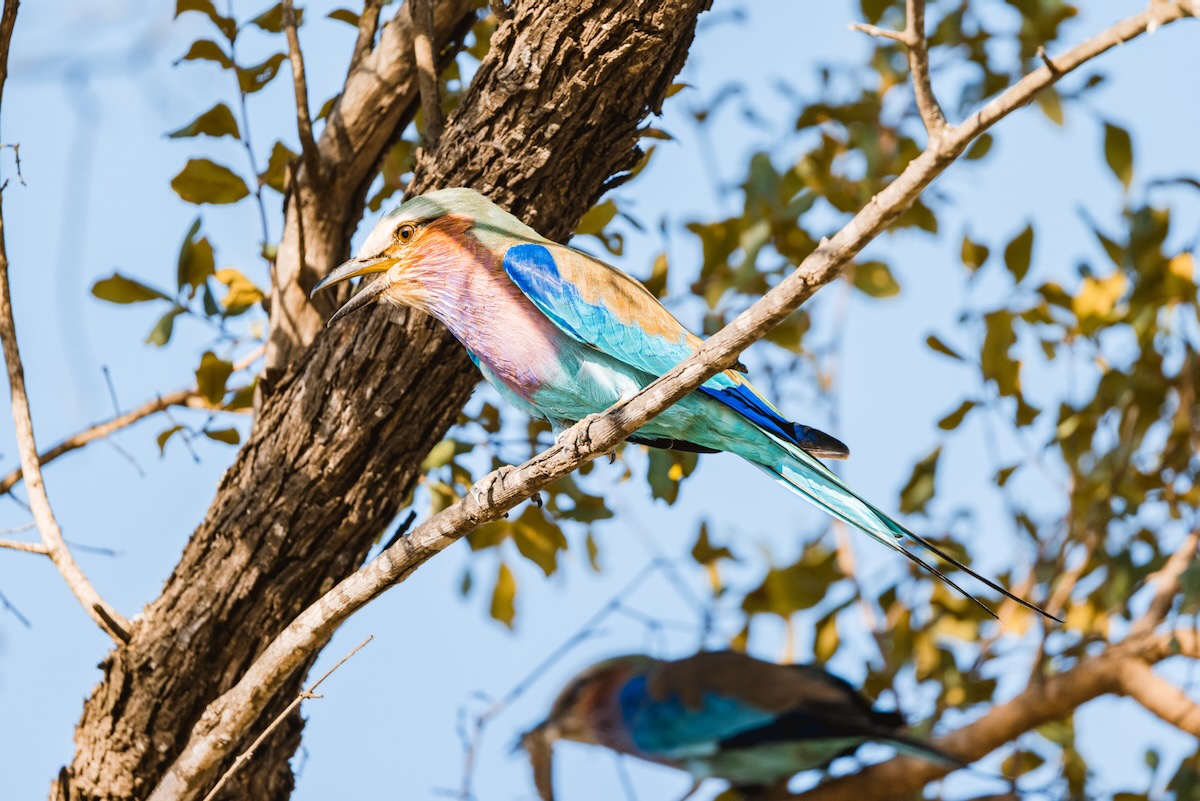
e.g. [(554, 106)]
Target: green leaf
[(920, 487), (204, 181), (207, 50), (597, 218), (217, 121), (243, 398), (275, 174), (344, 15), (955, 418), (161, 333), (657, 282), (704, 552), (994, 360), (196, 260), (251, 79), (875, 279), (1050, 102), (979, 148), (211, 376), (1018, 255), (941, 347), (504, 596), (271, 20), (667, 470), (162, 438), (119, 289), (1118, 152), (539, 539), (206, 7), (974, 255), (229, 436)]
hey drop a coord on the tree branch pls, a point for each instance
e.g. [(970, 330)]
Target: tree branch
[(1139, 681), (308, 145), (27, 547), (1167, 582), (431, 103), (368, 24), (918, 64), (230, 716), (96, 607)]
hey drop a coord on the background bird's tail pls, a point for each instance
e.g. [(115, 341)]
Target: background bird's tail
[(807, 477), (911, 746)]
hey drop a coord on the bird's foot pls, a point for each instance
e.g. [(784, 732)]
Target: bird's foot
[(577, 439), (536, 499), (484, 489)]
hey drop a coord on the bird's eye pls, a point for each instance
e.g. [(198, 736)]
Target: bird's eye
[(406, 232)]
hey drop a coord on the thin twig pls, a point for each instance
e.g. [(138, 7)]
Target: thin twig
[(882, 33), (427, 75), (918, 64), (96, 607), (1041, 53), (27, 547), (368, 23), (227, 718), (308, 145), (246, 755), (248, 146), (191, 398)]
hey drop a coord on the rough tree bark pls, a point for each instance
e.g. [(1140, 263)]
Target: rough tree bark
[(348, 415)]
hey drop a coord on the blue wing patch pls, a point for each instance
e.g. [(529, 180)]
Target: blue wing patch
[(669, 728), (532, 267)]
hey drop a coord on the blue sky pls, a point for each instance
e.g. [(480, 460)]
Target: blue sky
[(92, 92)]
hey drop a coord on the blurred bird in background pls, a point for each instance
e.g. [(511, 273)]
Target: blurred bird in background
[(718, 714), (562, 335)]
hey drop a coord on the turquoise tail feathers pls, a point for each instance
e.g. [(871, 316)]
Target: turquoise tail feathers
[(807, 477)]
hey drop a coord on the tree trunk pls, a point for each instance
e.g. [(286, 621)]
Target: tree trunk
[(349, 414)]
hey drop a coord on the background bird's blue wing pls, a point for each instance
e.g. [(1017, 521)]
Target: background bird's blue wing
[(601, 306), (670, 729)]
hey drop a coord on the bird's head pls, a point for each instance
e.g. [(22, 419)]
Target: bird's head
[(416, 245), (585, 711)]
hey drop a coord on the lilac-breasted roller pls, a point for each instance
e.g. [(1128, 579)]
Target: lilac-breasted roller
[(562, 335), (718, 714)]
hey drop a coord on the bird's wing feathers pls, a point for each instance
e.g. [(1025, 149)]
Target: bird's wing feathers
[(601, 306)]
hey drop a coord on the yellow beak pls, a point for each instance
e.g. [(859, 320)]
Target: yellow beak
[(367, 294)]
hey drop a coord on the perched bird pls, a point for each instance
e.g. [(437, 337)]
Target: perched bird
[(718, 714), (562, 335)]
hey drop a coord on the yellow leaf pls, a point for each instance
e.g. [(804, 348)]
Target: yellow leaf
[(1097, 296), (504, 596), (1183, 266), (242, 291)]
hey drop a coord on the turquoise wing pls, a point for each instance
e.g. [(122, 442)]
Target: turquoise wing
[(668, 729), (602, 307)]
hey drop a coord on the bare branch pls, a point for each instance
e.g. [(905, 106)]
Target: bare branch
[(27, 547), (96, 607), (882, 33), (308, 145), (1160, 697), (368, 24), (431, 103), (228, 718), (1167, 582), (245, 756), (918, 64)]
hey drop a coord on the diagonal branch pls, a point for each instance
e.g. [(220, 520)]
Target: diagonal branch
[(1166, 580), (1160, 697), (96, 607), (308, 145), (228, 718)]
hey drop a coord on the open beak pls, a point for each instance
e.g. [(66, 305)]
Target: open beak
[(367, 294)]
